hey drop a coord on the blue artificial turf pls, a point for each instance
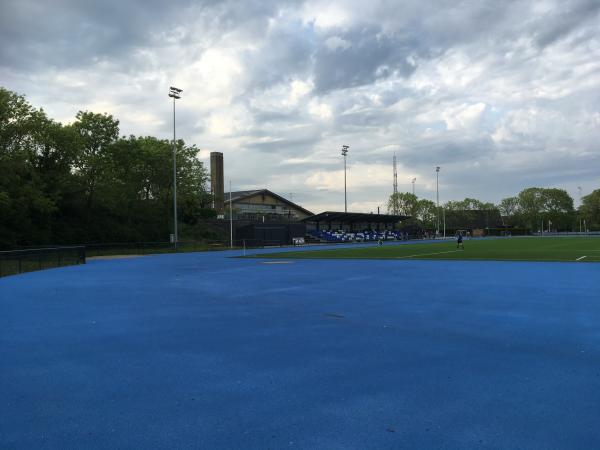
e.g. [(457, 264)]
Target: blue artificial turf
[(211, 352)]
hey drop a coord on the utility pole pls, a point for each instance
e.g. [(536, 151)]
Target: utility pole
[(437, 190), (444, 215), (175, 93), (395, 175), (230, 218), (344, 153), (580, 204)]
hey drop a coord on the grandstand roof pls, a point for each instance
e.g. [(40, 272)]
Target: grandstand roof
[(332, 216)]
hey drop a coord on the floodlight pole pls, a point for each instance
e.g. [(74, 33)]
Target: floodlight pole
[(344, 153), (230, 218), (175, 93), (444, 215), (580, 205), (413, 185), (437, 190)]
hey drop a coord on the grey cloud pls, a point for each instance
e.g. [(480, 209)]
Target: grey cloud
[(566, 18), (287, 147), (74, 33), (285, 56), (452, 149), (269, 117), (371, 55), (69, 33)]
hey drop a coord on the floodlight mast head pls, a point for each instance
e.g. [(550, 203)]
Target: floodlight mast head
[(437, 169), (175, 92), (345, 149)]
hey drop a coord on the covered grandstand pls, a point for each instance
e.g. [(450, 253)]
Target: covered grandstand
[(331, 226)]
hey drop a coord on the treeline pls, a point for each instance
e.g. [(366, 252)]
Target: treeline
[(528, 210), (83, 183)]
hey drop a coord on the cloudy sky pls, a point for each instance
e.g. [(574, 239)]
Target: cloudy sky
[(501, 94)]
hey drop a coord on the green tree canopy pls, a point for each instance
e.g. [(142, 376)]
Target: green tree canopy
[(426, 213), (590, 209), (541, 204), (403, 203), (82, 183)]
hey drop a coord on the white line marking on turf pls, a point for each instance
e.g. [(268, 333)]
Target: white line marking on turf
[(427, 254), (579, 259)]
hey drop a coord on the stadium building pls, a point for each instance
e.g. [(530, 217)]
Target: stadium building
[(260, 216), (264, 205), (256, 204)]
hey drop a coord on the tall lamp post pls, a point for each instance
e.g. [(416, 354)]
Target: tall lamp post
[(437, 190), (579, 189), (344, 153), (175, 93), (230, 218), (414, 180)]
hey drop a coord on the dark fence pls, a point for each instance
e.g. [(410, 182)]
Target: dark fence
[(258, 243), (133, 248), (567, 233), (147, 248), (28, 260)]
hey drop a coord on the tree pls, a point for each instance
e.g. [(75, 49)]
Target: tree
[(509, 206), (25, 132), (531, 205), (540, 204), (470, 213), (559, 209), (403, 203), (590, 209), (426, 213), (469, 204), (509, 210), (81, 183), (96, 133)]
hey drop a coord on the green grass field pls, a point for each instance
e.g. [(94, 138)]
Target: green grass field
[(577, 249)]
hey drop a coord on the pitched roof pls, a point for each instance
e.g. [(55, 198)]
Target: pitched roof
[(240, 195), (235, 195)]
